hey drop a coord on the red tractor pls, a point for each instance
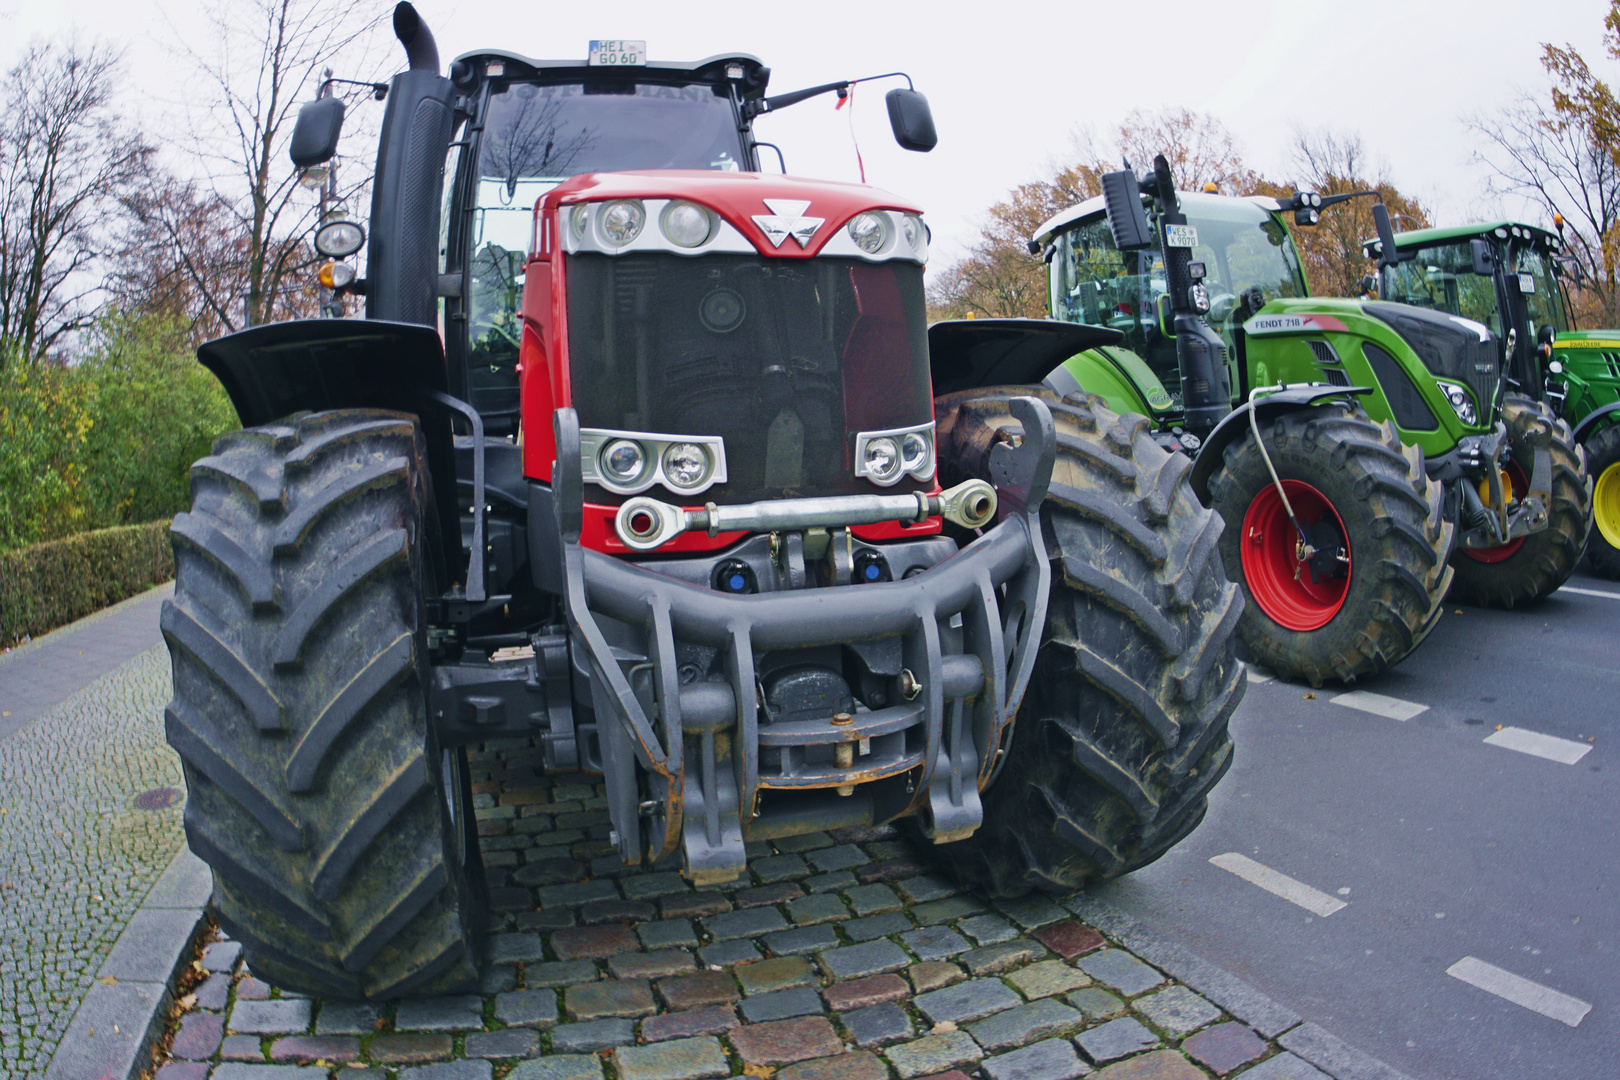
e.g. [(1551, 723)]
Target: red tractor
[(689, 494)]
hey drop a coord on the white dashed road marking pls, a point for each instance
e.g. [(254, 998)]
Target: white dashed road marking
[(1567, 751), (1590, 592), (1295, 892), (1519, 990), (1367, 701)]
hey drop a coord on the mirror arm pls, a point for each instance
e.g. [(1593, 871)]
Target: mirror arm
[(782, 101)]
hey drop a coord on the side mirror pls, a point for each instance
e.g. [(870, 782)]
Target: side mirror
[(1480, 252), (1126, 218), (315, 135), (1368, 285), (1387, 253), (912, 120)]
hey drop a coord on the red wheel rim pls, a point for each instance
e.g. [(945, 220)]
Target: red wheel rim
[(1284, 589), (1521, 484)]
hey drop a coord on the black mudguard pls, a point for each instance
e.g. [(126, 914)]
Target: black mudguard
[(1236, 425), (966, 354), (1593, 420), (277, 369)]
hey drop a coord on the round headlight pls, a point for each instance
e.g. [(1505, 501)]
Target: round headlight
[(686, 465), (339, 239), (882, 459), (687, 225), (914, 451), (870, 232), (911, 227), (621, 221), (623, 461), (578, 219)]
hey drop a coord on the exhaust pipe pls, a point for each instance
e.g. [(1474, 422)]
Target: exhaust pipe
[(421, 51)]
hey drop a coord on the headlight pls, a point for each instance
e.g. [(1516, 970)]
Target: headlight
[(686, 224), (578, 219), (1461, 403), (917, 455), (339, 239), (911, 227), (686, 465), (623, 461), (621, 221), (882, 460), (870, 232)]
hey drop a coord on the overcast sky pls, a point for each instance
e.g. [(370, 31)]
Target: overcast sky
[(1010, 81)]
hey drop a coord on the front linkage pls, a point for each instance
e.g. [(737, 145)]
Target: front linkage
[(671, 670)]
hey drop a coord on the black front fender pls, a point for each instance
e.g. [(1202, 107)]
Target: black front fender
[(1236, 424), (1594, 420)]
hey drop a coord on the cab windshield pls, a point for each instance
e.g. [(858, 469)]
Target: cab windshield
[(1242, 246), (1441, 276), (536, 136)]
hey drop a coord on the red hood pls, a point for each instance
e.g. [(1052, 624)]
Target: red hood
[(737, 198)]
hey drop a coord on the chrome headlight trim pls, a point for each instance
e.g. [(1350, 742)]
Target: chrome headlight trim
[(1461, 401), (593, 440), (583, 230), (924, 470)]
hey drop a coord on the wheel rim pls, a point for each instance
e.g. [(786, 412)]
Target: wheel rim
[(1286, 589), (1606, 504), (1521, 484)]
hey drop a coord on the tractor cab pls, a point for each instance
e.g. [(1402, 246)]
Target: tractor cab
[(1248, 260), (1501, 274)]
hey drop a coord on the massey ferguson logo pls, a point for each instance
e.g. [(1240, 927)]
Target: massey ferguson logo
[(787, 219)]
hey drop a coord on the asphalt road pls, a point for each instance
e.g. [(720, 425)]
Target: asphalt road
[(1479, 880)]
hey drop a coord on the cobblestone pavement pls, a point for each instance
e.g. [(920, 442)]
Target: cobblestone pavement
[(839, 957), (77, 855)]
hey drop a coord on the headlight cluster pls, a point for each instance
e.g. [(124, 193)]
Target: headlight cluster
[(619, 223), (628, 462), (876, 232), (1461, 402), (884, 457)]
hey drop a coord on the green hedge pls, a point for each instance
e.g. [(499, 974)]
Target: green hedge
[(47, 585)]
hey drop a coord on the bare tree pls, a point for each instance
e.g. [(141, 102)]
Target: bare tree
[(66, 158), (1562, 164), (1335, 163), (265, 61)]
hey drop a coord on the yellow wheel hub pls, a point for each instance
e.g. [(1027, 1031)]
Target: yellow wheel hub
[(1507, 489), (1606, 504)]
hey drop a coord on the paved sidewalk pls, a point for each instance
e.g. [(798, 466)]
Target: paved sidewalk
[(78, 854), (51, 668), (841, 956)]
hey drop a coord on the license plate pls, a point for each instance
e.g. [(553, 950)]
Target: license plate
[(1182, 236), (617, 54), (1527, 284)]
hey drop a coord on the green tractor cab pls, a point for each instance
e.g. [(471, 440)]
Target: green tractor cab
[(1508, 276), (1360, 453)]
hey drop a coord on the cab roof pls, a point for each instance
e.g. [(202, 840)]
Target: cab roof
[(1422, 237), (711, 69), (1094, 205)]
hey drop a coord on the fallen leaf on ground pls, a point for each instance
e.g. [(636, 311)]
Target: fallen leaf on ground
[(188, 1002), (1310, 697), (758, 1070), (944, 1027), (108, 980)]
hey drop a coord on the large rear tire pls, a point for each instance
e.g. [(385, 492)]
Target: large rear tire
[(1374, 589), (1525, 570), (1123, 730), (1603, 466), (338, 831)]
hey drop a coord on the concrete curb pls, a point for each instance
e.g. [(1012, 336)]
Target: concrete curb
[(111, 1035), (1303, 1039)]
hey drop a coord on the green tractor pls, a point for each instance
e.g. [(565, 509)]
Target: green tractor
[(1362, 454), (1507, 275)]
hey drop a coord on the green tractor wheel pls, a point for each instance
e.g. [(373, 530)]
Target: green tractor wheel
[(1528, 568), (1603, 464), (1364, 585), (1123, 730)]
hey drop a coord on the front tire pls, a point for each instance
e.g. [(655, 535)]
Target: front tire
[(337, 829), (1525, 570), (1373, 590), (1123, 730), (1603, 466)]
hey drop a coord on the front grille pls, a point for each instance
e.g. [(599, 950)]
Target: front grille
[(783, 359), (1446, 347)]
